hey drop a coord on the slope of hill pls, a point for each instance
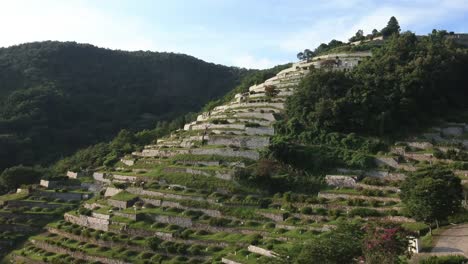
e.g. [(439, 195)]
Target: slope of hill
[(56, 97)]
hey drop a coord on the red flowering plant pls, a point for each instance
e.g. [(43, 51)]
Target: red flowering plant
[(384, 245)]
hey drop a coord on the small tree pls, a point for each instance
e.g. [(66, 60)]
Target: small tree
[(300, 56), (432, 194), (308, 54), (358, 36)]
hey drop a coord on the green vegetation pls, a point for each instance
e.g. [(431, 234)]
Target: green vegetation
[(431, 195), (57, 97), (14, 177), (408, 83)]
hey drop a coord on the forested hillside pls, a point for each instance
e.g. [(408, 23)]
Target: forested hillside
[(56, 97)]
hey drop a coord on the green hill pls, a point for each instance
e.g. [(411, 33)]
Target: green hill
[(58, 96)]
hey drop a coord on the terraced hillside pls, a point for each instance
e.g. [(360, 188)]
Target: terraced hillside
[(27, 211), (178, 201)]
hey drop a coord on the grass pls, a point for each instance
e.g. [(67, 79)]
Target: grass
[(14, 196), (124, 196)]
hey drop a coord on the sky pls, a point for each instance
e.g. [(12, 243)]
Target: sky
[(245, 33)]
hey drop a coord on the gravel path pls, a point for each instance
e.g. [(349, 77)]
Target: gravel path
[(452, 241)]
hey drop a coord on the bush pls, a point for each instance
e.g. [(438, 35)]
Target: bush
[(364, 212), (307, 210), (215, 221)]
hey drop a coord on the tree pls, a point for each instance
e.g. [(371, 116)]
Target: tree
[(358, 36), (393, 27), (432, 194), (308, 54), (375, 32), (16, 176), (340, 246), (300, 56)]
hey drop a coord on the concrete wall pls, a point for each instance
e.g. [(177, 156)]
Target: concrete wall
[(341, 181), (334, 196), (262, 251), (175, 220), (88, 221), (111, 191), (140, 191), (68, 196), (121, 204), (101, 177), (75, 175), (128, 162), (227, 152), (245, 142)]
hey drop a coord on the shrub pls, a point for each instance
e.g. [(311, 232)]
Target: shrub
[(364, 212), (307, 210), (215, 221)]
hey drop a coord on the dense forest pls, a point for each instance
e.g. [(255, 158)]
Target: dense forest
[(56, 97)]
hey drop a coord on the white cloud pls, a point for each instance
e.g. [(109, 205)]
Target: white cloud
[(251, 62), (411, 16), (299, 25), (69, 21)]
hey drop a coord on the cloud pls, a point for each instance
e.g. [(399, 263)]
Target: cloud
[(69, 21), (367, 15), (232, 32), (251, 62)]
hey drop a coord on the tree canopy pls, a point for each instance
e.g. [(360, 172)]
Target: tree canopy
[(432, 194), (406, 84)]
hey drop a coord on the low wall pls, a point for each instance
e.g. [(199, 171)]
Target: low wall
[(121, 204), (111, 191), (68, 196), (175, 220), (341, 181), (88, 221), (262, 251), (334, 196), (30, 204), (140, 191), (227, 152)]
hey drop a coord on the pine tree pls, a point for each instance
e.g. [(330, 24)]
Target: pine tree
[(393, 27)]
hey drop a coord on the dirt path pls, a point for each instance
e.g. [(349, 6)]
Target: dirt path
[(452, 241)]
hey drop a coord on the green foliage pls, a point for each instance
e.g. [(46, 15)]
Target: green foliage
[(393, 27), (274, 177), (14, 177), (318, 158), (407, 83), (57, 97), (125, 142), (364, 212), (432, 194), (342, 245)]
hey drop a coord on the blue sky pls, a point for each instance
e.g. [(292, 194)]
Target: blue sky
[(244, 33)]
